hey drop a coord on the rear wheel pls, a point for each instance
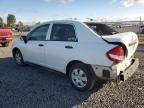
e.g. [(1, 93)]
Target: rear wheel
[(81, 77), (5, 44), (18, 58)]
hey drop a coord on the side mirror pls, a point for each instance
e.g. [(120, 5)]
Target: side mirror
[(24, 38)]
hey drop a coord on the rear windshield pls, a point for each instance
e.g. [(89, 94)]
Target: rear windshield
[(101, 29)]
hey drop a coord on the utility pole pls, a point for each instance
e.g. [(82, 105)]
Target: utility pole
[(140, 24), (140, 21)]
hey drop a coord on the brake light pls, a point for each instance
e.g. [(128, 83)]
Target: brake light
[(116, 54), (10, 33)]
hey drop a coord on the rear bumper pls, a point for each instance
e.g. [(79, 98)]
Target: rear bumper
[(130, 70), (114, 72), (4, 40)]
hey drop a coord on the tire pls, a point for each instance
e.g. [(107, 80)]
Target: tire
[(18, 58), (5, 44), (81, 76)]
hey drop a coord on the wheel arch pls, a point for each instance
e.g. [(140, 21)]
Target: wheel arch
[(15, 49), (70, 64)]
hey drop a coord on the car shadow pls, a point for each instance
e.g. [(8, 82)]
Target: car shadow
[(35, 86), (1, 46)]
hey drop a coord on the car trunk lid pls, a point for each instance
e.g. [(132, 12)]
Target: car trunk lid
[(129, 39), (4, 33)]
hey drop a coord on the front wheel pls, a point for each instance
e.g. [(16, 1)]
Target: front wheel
[(18, 58), (81, 77)]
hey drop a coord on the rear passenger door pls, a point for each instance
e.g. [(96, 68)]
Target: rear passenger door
[(60, 46)]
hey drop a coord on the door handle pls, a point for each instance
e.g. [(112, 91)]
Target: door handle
[(68, 47), (40, 45)]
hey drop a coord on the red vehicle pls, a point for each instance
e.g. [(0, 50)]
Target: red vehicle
[(5, 36)]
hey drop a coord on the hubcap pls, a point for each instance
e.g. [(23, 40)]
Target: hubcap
[(18, 58), (79, 78)]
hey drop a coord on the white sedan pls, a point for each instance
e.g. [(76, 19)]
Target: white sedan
[(84, 51)]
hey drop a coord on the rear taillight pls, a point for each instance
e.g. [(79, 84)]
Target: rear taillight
[(116, 54), (10, 33)]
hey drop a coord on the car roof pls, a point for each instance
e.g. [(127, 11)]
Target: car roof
[(72, 21), (62, 21), (57, 21)]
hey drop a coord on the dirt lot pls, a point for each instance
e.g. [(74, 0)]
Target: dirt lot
[(36, 87)]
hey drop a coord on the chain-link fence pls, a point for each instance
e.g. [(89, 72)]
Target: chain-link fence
[(136, 26)]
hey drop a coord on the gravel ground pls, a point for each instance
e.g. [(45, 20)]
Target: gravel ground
[(36, 87)]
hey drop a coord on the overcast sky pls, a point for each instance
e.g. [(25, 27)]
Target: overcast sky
[(44, 10)]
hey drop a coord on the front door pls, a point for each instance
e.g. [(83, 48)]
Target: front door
[(34, 49)]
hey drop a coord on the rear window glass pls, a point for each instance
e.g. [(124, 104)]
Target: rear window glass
[(101, 29)]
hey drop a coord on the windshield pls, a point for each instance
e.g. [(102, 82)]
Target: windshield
[(101, 29)]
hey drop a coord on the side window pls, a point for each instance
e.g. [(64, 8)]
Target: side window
[(63, 32), (39, 34)]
